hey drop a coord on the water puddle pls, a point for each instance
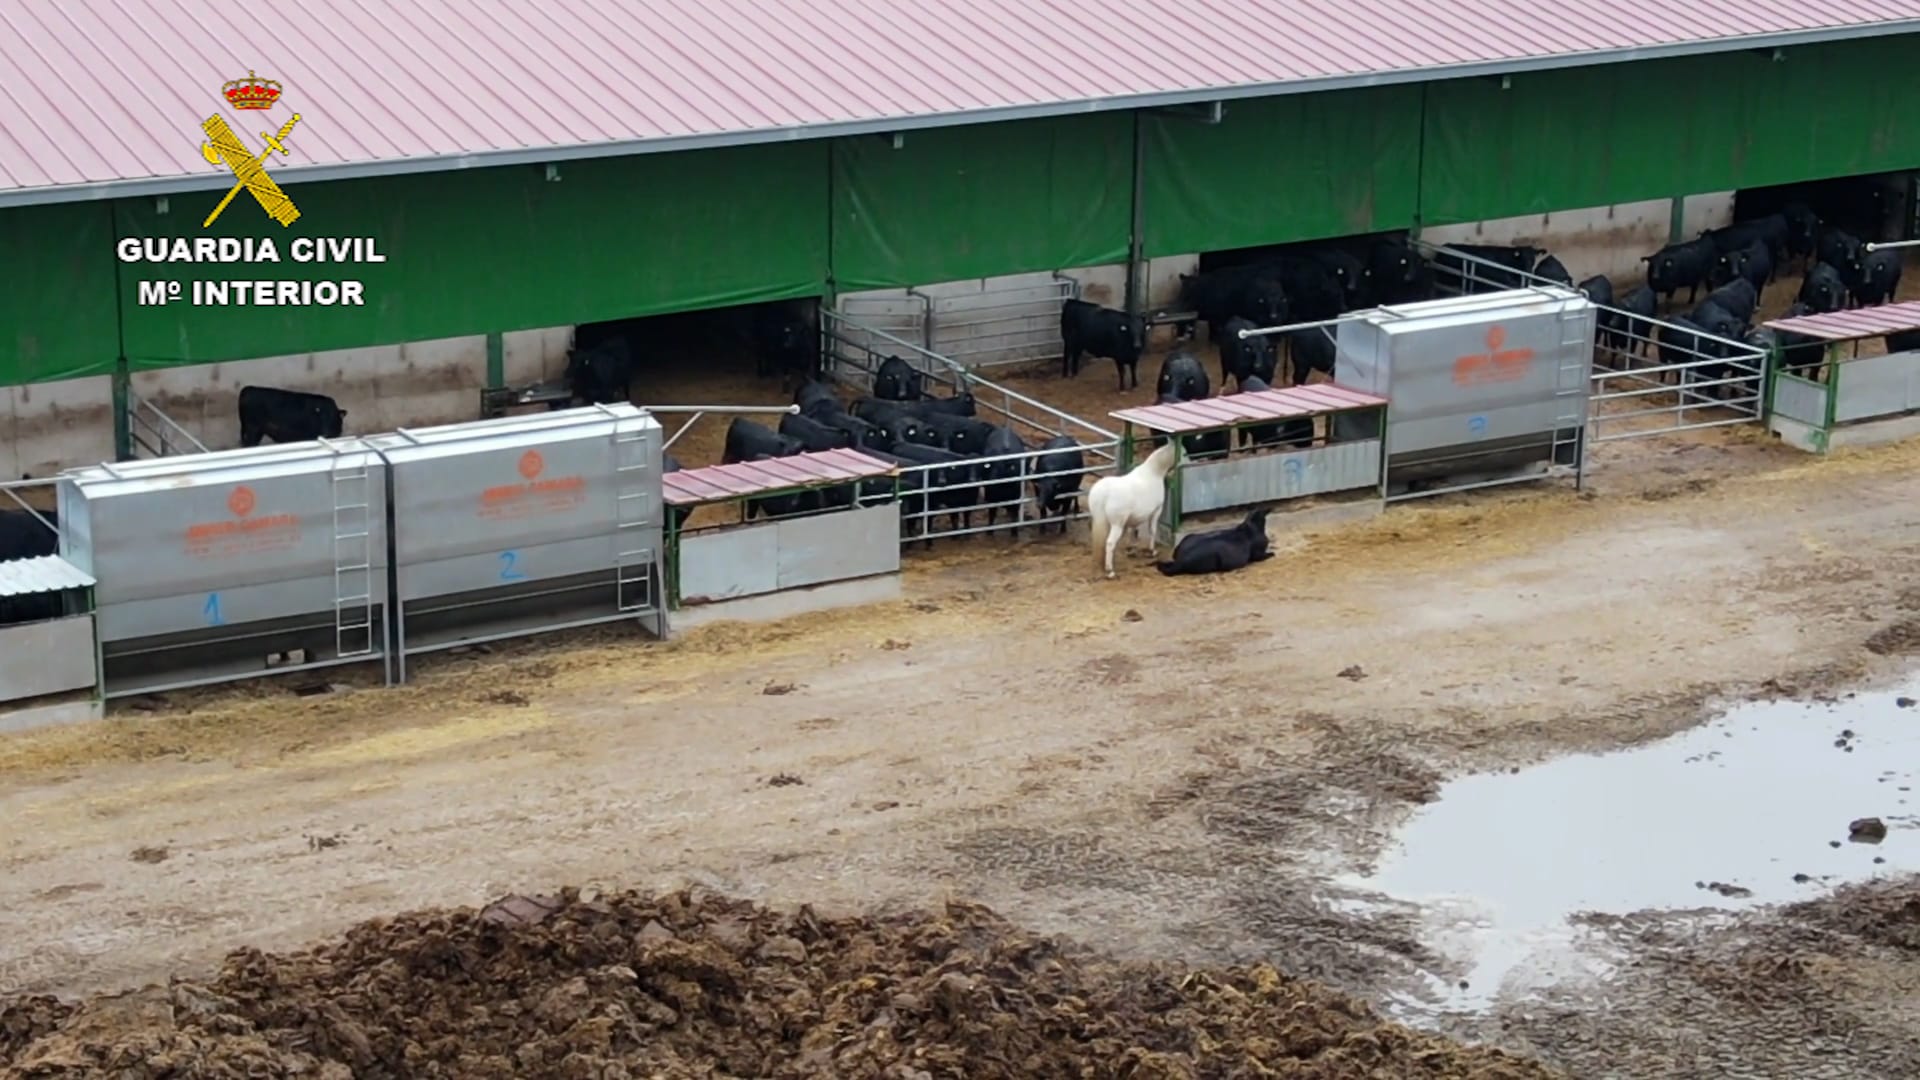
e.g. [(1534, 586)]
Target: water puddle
[(1753, 808)]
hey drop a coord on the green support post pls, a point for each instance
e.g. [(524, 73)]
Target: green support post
[(1677, 220), (122, 395), (496, 362)]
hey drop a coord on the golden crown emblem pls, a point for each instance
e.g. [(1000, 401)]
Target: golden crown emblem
[(252, 92)]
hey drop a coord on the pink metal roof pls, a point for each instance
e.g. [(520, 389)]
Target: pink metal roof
[(1858, 323), (1230, 409), (717, 483), (102, 91)]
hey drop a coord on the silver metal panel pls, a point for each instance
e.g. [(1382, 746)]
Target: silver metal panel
[(1798, 399), (502, 502), (46, 657), (727, 563), (1482, 366), (184, 543), (838, 546), (1878, 386), (1248, 481), (41, 574)]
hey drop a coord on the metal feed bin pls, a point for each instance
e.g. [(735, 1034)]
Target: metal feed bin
[(1486, 389), (1846, 399), (49, 654), (233, 564), (525, 524)]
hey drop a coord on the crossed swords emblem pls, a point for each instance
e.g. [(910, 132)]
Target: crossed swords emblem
[(223, 146)]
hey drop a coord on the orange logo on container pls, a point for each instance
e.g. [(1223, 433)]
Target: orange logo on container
[(534, 496), (242, 534), (241, 501), (1498, 364)]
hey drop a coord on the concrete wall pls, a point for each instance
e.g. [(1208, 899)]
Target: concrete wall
[(46, 427), (1599, 240)]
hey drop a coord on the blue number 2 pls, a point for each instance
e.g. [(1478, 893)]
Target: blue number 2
[(507, 572)]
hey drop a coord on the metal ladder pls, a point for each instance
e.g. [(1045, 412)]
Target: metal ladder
[(633, 560), (1575, 386), (352, 556)]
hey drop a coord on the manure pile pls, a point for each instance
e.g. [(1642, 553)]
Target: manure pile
[(691, 984)]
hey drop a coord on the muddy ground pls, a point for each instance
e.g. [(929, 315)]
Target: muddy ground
[(1163, 770)]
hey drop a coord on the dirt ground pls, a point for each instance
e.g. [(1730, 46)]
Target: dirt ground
[(1163, 770)]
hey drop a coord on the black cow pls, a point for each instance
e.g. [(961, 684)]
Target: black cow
[(1773, 230), (1221, 550), (960, 434), (1686, 266), (896, 424), (1349, 273), (1513, 263), (898, 380), (814, 435), (1599, 289), (1903, 341), (1796, 351), (951, 485), (1204, 444), (784, 344), (1097, 331), (960, 404), (1057, 476), (1879, 278), (1244, 357), (287, 416), (1001, 479), (1803, 226), (911, 485), (1251, 292), (1680, 341), (1312, 288), (1730, 266), (1632, 332), (1842, 251), (1312, 350), (1739, 298), (599, 373), (1762, 265), (22, 537), (866, 436), (1553, 270), (1823, 290), (1182, 377), (748, 441), (677, 515), (786, 505), (816, 399), (1396, 273)]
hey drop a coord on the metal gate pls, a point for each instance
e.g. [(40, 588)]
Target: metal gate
[(1014, 322), (154, 434), (901, 318), (1650, 376)]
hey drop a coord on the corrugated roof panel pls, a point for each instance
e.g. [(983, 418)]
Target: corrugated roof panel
[(41, 574), (1179, 418), (99, 91), (717, 483), (1857, 323)]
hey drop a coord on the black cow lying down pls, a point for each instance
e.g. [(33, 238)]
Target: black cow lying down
[(1221, 550)]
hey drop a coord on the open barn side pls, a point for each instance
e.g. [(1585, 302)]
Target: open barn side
[(1013, 488)]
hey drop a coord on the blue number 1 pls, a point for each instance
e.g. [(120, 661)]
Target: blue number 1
[(507, 572), (212, 609)]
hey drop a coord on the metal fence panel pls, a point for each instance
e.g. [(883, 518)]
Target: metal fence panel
[(838, 546), (1292, 474), (1800, 399), (907, 317), (46, 657), (728, 563), (1877, 386), (1014, 323)]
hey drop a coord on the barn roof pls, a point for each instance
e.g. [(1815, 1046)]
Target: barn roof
[(1228, 410), (1854, 324), (719, 483), (104, 98)]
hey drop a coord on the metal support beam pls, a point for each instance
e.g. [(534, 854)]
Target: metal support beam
[(1136, 242), (1893, 244), (1677, 219), (122, 398), (496, 361)]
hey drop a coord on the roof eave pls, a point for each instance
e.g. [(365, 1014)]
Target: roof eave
[(168, 185)]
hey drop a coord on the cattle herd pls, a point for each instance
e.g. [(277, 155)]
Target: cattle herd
[(952, 463)]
